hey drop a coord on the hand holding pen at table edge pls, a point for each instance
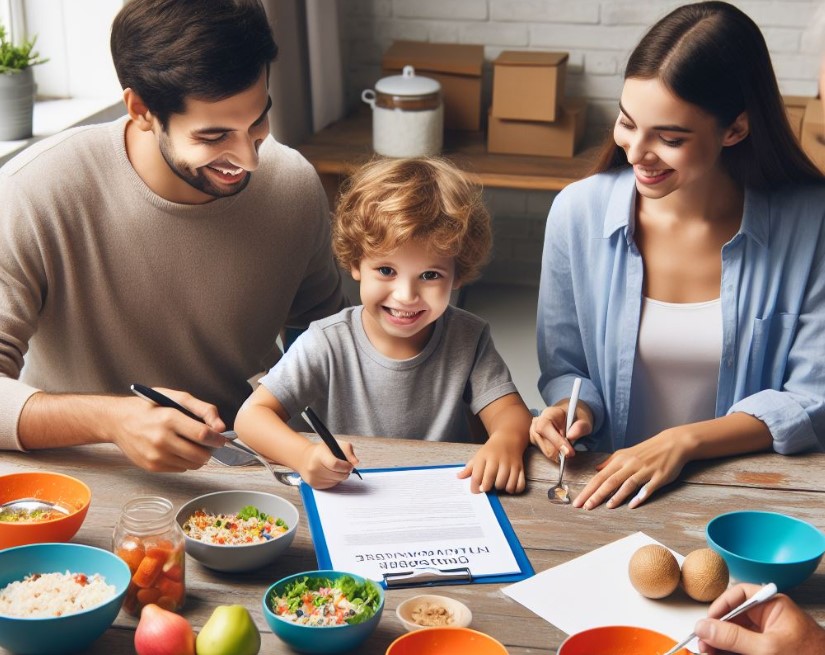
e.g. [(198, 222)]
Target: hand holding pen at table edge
[(170, 437), (262, 424), (776, 626)]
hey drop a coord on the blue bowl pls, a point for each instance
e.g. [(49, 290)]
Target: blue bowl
[(317, 639), (62, 634), (764, 547)]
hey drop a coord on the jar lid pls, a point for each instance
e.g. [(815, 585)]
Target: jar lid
[(407, 84)]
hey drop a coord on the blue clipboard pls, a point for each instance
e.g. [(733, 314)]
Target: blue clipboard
[(422, 577)]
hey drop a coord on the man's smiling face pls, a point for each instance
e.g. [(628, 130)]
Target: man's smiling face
[(213, 146)]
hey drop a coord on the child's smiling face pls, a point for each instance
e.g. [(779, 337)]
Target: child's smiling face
[(403, 293)]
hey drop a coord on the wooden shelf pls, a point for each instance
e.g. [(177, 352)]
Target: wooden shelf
[(342, 147)]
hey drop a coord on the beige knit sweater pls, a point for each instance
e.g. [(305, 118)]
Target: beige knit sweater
[(105, 283)]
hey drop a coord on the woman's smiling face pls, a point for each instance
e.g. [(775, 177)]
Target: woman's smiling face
[(671, 144)]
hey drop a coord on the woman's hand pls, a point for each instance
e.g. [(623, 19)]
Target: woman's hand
[(547, 429), (635, 473)]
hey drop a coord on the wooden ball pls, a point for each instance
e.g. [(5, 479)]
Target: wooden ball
[(704, 575), (653, 571)]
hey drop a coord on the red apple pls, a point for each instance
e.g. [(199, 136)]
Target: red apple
[(161, 632)]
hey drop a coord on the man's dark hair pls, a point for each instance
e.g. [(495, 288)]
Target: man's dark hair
[(170, 50)]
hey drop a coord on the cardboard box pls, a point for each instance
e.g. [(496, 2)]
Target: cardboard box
[(528, 86), (557, 139), (795, 106), (456, 66), (813, 133)]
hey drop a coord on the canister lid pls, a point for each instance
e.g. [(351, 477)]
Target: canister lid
[(407, 84)]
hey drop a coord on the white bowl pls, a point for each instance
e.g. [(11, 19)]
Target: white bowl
[(459, 615), (246, 557)]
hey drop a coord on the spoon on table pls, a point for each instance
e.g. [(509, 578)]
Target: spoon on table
[(766, 592), (289, 478), (29, 505), (561, 492)]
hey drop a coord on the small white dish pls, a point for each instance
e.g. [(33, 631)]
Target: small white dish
[(431, 610)]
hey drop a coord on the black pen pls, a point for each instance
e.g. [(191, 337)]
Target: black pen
[(164, 401), (326, 436)]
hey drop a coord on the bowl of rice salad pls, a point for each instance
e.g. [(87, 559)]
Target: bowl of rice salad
[(70, 497), (236, 531), (58, 598), (323, 611)]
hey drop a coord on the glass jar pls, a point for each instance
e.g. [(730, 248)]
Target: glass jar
[(149, 540), (407, 115)]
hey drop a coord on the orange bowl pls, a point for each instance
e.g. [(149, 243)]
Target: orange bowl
[(618, 640), (446, 641), (64, 490)]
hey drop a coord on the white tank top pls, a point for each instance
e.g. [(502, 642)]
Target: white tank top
[(676, 371)]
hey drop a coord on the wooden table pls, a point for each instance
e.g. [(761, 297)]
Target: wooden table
[(551, 534), (339, 149)]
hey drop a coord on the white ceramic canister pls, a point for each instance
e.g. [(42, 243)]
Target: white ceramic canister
[(407, 115)]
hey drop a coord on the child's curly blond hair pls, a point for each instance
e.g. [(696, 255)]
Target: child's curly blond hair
[(389, 202)]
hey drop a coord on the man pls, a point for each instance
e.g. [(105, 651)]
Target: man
[(168, 248)]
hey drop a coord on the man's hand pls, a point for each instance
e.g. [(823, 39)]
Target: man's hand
[(155, 438)]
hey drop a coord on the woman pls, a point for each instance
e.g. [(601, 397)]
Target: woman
[(684, 282)]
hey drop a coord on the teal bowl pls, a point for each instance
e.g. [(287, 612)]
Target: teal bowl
[(70, 633), (318, 639), (764, 547)]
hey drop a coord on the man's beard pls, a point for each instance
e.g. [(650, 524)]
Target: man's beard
[(198, 179)]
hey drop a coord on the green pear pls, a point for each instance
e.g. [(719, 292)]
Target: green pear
[(229, 631)]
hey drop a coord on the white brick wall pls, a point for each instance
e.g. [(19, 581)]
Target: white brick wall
[(598, 34)]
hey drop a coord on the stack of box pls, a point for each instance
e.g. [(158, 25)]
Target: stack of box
[(530, 114), (813, 133), (795, 107), (456, 66)]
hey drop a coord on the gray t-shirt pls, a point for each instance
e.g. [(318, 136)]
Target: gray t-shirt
[(356, 390)]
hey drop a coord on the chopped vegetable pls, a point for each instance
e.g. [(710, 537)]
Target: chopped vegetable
[(324, 602)]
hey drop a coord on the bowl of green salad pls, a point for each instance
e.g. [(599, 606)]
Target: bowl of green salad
[(323, 611)]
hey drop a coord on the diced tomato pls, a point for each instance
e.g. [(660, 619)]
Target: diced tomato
[(167, 603), (160, 549), (148, 596), (173, 572), (171, 588), (131, 551), (130, 603)]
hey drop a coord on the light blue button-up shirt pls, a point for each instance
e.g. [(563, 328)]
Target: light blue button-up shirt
[(773, 309)]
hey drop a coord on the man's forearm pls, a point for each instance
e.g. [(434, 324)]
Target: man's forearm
[(57, 420)]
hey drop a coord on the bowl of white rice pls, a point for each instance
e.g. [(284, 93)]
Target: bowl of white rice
[(58, 597), (235, 531)]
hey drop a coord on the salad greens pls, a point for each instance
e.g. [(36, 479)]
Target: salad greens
[(364, 597)]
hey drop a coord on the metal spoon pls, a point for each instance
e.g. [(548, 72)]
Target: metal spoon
[(289, 478), (31, 505), (766, 592), (561, 492)]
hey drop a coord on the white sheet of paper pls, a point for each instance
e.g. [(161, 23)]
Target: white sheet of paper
[(594, 590), (419, 518)]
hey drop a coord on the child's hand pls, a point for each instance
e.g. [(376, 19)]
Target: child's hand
[(322, 470), (496, 464)]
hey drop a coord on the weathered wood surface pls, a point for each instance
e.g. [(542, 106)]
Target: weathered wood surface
[(551, 534)]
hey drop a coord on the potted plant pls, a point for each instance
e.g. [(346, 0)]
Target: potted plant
[(17, 87)]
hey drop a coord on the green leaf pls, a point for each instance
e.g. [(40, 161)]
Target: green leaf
[(14, 58)]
